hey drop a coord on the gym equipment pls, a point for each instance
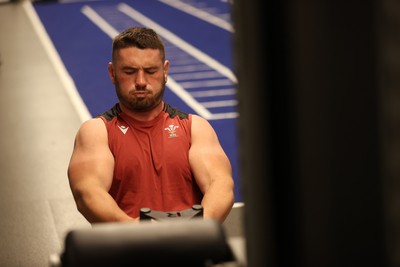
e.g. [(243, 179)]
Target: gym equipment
[(195, 212), (195, 243)]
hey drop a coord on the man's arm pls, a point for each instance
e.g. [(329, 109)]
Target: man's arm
[(212, 170), (90, 174)]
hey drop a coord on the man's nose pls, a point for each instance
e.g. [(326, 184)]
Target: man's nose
[(140, 79)]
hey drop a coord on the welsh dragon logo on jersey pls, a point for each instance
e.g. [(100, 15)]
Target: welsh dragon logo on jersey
[(172, 131)]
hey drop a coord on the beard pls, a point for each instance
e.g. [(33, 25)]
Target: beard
[(141, 104)]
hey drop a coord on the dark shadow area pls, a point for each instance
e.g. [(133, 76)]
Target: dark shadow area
[(317, 132)]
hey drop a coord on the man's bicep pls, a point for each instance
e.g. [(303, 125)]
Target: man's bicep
[(91, 161), (207, 158)]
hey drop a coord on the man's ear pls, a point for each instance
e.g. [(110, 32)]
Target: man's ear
[(111, 72), (166, 68)]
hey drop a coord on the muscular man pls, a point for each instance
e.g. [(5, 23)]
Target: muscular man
[(143, 152)]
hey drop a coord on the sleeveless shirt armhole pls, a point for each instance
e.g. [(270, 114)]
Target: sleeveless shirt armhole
[(110, 114), (173, 112), (190, 117)]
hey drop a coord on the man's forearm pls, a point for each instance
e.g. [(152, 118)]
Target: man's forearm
[(217, 205), (100, 207)]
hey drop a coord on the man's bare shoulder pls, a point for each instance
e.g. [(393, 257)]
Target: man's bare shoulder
[(92, 128), (93, 123), (202, 129), (199, 123)]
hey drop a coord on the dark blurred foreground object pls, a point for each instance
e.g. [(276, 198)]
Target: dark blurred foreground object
[(194, 242)]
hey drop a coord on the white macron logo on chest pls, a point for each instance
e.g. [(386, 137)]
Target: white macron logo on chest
[(123, 128)]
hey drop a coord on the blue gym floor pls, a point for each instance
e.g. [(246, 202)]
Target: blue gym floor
[(198, 37)]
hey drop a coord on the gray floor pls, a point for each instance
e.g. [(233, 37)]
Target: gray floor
[(38, 124)]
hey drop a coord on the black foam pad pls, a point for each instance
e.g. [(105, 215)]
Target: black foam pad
[(196, 242)]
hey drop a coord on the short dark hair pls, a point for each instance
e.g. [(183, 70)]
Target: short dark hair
[(139, 37)]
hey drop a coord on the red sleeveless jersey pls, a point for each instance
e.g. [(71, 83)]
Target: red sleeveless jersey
[(151, 161)]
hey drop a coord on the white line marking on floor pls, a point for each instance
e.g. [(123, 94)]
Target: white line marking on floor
[(99, 21), (207, 17), (129, 11), (59, 66)]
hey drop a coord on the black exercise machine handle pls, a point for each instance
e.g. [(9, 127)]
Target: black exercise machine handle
[(195, 212)]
